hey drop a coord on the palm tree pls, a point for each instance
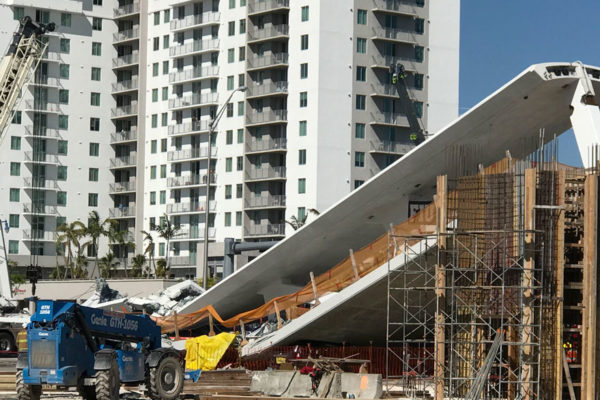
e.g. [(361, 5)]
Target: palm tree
[(97, 228), (299, 223), (167, 231), (149, 250), (124, 244), (69, 236), (137, 265), (162, 271), (107, 265)]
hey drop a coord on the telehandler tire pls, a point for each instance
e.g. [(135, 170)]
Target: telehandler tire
[(165, 381), (27, 392), (108, 383)]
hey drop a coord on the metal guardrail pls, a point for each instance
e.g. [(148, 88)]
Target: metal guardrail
[(256, 6), (269, 172), (266, 144), (266, 116), (265, 201), (194, 20), (194, 73), (267, 60), (188, 127), (265, 230)]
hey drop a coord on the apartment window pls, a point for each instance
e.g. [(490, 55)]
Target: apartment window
[(163, 197), (304, 13), (65, 19), (65, 45), (157, 18), (229, 137), (358, 183), (231, 28), (165, 93), (60, 221), (153, 146), (420, 3), (164, 119), (228, 164), (17, 118), (15, 169), (418, 108), (153, 172), (304, 71), (154, 95), (93, 175), (360, 102), (64, 71), (302, 128), (96, 73), (229, 110), (361, 45), (18, 13), (61, 173), (163, 145), (165, 41), (230, 55), (230, 82), (242, 3), (361, 73), (420, 25), (240, 108), (418, 81), (227, 192), (152, 198), (238, 218), (15, 195), (156, 44), (167, 16), (359, 159), (154, 120), (63, 122), (94, 99), (63, 147), (304, 42), (227, 219), (419, 53), (155, 69), (231, 3), (240, 136), (165, 67), (92, 199), (96, 24), (163, 171), (359, 131), (361, 17), (63, 96), (302, 157), (242, 26), (302, 185), (94, 149), (94, 124), (13, 247), (301, 213), (240, 163), (242, 53), (152, 223), (241, 80), (42, 16), (61, 198), (161, 249), (97, 2), (96, 48), (303, 99), (13, 220), (239, 190)]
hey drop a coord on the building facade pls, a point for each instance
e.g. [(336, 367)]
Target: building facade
[(312, 113)]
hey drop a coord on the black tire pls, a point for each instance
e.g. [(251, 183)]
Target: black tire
[(7, 342), (166, 380), (86, 392), (108, 383), (27, 392)]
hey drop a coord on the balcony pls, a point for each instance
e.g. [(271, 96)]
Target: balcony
[(46, 81), (266, 117), (39, 236), (188, 128), (42, 132), (389, 147), (265, 230), (40, 183), (190, 180), (125, 111), (194, 21), (190, 154), (193, 233), (197, 46), (265, 6), (129, 34), (388, 118), (410, 64), (126, 60), (396, 35), (37, 106), (129, 9), (270, 32), (267, 61), (194, 74), (124, 136), (40, 157), (270, 201), (122, 187), (265, 173), (266, 145), (267, 89), (41, 209), (123, 162), (193, 100), (122, 212), (404, 7), (52, 56), (125, 86), (190, 207)]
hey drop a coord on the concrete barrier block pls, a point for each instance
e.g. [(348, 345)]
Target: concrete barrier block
[(362, 386)]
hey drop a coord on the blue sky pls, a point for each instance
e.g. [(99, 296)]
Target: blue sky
[(499, 39)]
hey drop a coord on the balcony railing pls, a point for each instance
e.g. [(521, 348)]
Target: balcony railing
[(132, 58), (410, 63), (30, 130), (190, 233), (266, 116), (46, 81), (386, 146), (268, 60), (389, 118), (121, 212), (194, 20), (265, 201), (190, 180), (189, 154), (30, 208), (127, 9), (42, 106), (396, 34), (131, 84), (130, 109), (269, 32), (267, 89), (118, 187), (256, 6), (126, 161), (195, 73), (265, 230), (266, 144), (128, 34), (404, 6), (193, 47), (44, 236), (124, 136), (50, 55), (193, 100), (37, 156), (188, 127), (190, 207), (40, 183), (268, 172)]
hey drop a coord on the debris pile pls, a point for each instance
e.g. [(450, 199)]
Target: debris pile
[(170, 300), (104, 297)]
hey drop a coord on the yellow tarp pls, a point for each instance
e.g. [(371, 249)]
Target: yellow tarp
[(204, 352)]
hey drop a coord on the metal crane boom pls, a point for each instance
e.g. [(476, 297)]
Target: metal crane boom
[(399, 80)]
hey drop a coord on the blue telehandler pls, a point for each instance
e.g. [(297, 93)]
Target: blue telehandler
[(69, 345)]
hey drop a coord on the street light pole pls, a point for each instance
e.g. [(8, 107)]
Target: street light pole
[(212, 125), (6, 285)]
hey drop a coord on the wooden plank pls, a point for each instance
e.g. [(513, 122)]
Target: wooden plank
[(567, 376), (441, 200), (354, 266), (560, 292), (314, 288)]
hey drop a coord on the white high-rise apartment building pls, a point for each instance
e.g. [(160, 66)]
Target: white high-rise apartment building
[(319, 115)]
